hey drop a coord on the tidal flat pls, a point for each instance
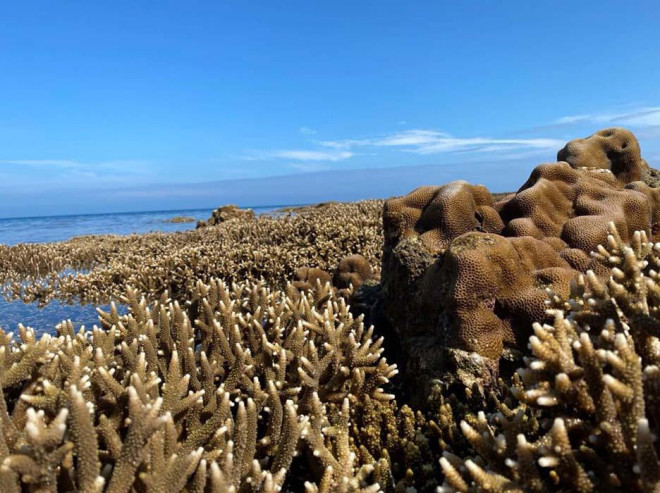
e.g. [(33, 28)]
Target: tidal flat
[(451, 339)]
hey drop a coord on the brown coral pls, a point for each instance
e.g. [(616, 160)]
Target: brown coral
[(353, 270), (497, 289), (613, 149), (305, 278), (223, 395), (226, 213), (590, 386), (468, 272), (437, 215)]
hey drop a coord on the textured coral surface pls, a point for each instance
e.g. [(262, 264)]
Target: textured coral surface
[(473, 272)]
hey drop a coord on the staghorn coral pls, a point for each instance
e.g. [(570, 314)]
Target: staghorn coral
[(229, 392), (100, 268), (589, 387)]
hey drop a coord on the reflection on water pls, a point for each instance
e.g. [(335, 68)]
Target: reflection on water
[(45, 319)]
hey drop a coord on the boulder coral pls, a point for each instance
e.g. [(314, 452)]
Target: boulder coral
[(463, 271), (353, 270), (226, 213), (582, 412), (613, 149)]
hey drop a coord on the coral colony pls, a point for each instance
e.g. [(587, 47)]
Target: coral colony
[(263, 353)]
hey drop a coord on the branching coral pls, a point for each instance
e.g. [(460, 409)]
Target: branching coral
[(225, 394), (100, 268), (590, 385)]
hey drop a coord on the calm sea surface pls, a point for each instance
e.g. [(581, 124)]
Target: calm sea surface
[(61, 228)]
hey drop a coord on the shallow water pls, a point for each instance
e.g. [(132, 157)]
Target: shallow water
[(61, 228), (45, 319)]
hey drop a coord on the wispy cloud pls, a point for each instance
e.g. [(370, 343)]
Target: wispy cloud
[(309, 167), (301, 155), (639, 117), (85, 170), (53, 163), (307, 131), (425, 142)]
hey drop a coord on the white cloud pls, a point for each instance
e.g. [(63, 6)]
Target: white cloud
[(424, 142), (55, 163), (307, 131), (309, 167), (301, 155), (80, 169), (640, 117)]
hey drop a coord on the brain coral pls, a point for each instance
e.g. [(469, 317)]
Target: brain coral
[(352, 270), (439, 214), (470, 273), (613, 149)]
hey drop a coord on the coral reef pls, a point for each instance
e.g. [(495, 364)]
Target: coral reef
[(226, 213), (465, 272), (229, 393), (528, 325), (587, 409), (100, 268)]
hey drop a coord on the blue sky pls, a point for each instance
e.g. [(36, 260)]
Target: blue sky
[(112, 106)]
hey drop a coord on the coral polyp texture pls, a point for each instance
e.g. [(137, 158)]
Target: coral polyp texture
[(237, 390), (470, 273), (583, 413)]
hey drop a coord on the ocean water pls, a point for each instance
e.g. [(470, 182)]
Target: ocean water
[(44, 319), (62, 228)]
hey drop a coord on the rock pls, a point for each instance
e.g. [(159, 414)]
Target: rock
[(226, 213)]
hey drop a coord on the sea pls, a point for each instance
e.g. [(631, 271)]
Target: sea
[(61, 228)]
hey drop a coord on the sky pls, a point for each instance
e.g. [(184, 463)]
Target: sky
[(136, 105)]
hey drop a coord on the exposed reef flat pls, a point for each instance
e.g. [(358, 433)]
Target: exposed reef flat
[(181, 219), (247, 360)]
